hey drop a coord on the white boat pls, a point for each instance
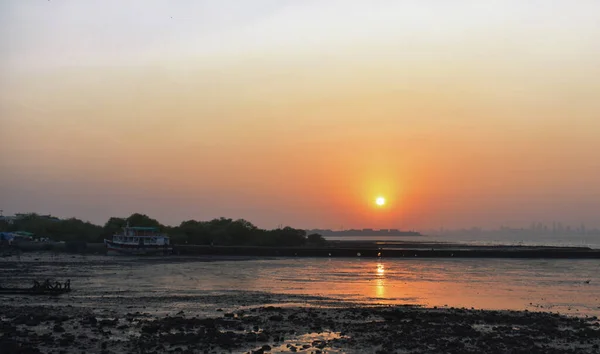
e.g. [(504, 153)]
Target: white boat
[(139, 241)]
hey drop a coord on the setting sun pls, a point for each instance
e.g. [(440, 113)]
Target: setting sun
[(380, 201)]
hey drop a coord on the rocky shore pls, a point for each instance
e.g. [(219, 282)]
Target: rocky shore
[(268, 329)]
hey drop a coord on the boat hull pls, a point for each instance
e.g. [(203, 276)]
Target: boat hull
[(33, 291), (116, 249)]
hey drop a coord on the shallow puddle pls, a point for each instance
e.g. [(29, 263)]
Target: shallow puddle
[(310, 342)]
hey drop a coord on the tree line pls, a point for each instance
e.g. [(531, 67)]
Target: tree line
[(218, 232)]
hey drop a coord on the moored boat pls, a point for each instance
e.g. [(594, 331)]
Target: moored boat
[(137, 240), (38, 288), (32, 291)]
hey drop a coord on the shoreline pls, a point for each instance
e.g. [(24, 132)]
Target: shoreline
[(270, 329), (348, 249), (406, 251)]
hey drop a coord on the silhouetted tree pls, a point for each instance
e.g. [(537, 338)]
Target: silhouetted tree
[(75, 230), (194, 232), (111, 227), (220, 231), (143, 220), (316, 239), (4, 225)]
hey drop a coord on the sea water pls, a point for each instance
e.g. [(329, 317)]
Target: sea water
[(207, 284)]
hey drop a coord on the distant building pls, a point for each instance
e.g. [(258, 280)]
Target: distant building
[(363, 232), (18, 216), (8, 219)]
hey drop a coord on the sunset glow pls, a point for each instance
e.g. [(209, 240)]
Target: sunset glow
[(459, 113)]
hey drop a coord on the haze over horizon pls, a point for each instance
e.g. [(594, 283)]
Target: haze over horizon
[(459, 114)]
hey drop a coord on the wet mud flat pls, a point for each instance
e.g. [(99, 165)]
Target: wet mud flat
[(272, 329)]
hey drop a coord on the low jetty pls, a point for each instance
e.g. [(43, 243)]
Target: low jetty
[(394, 249), (399, 252)]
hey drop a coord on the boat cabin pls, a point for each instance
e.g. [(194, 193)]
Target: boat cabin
[(141, 236)]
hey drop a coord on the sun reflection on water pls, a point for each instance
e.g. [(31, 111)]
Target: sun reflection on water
[(380, 269), (380, 281)]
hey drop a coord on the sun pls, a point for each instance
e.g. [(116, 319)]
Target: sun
[(380, 201)]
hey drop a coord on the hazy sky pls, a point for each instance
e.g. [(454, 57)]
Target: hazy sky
[(458, 112)]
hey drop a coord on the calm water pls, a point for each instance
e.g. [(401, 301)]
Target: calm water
[(548, 285)]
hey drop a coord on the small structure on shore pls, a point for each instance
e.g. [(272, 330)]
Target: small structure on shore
[(7, 238), (23, 236)]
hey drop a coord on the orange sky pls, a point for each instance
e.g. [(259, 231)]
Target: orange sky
[(302, 114)]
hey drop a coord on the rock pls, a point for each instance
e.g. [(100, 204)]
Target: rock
[(9, 345), (319, 344), (32, 322), (59, 319), (89, 320), (58, 328), (108, 323), (7, 328), (266, 347), (20, 320), (227, 339), (276, 318), (66, 340)]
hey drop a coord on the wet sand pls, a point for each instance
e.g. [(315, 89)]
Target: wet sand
[(67, 329)]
